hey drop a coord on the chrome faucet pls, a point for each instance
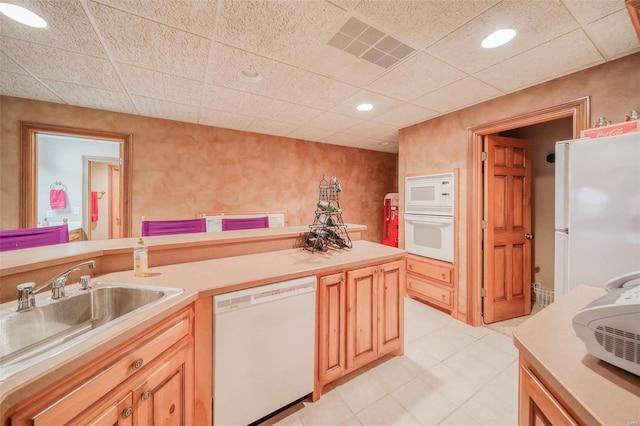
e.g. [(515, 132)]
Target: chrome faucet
[(27, 291)]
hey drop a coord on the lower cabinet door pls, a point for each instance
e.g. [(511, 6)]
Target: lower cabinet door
[(390, 307), (362, 324), (120, 414), (331, 327), (166, 396), (537, 405)]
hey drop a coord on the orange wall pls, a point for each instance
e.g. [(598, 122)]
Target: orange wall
[(181, 168), (441, 143)]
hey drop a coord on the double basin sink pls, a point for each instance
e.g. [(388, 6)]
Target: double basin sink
[(43, 331)]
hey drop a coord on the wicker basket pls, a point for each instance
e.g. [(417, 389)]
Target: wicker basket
[(544, 296)]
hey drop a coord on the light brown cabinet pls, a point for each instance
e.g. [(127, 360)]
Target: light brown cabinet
[(360, 318), (432, 281), (537, 405), (149, 380)]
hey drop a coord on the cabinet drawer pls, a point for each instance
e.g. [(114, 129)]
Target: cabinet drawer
[(432, 292), (152, 345), (429, 270)]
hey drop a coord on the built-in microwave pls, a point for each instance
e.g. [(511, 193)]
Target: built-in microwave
[(429, 194)]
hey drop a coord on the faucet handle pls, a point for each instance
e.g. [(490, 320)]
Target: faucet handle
[(57, 287), (26, 299), (85, 281)]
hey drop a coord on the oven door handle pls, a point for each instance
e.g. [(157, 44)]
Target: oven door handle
[(439, 222)]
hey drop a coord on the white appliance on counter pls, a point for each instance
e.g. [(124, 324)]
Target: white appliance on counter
[(610, 325), (263, 353), (428, 216), (597, 210)]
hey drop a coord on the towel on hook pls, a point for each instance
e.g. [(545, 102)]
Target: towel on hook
[(94, 206), (57, 199)]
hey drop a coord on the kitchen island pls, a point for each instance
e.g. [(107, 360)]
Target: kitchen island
[(189, 317), (560, 383)]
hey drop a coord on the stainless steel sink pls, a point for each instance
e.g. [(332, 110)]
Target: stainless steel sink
[(25, 335)]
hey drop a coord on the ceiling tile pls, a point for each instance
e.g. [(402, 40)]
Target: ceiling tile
[(141, 42), (270, 127), (69, 27), (375, 130), (317, 91), (162, 109), (62, 65), (566, 54), (211, 117), (336, 122), (534, 25), (611, 44), (406, 115), (197, 17), (377, 145), (586, 11), (283, 30), (235, 101), (8, 65), (381, 104), (310, 133), (460, 94), (226, 62), (75, 94), (154, 84), (422, 21), (416, 76), (288, 112), (25, 86), (342, 139)]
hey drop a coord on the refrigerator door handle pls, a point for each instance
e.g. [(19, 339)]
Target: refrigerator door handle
[(565, 230)]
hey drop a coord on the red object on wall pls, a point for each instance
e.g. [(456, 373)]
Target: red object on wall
[(390, 220)]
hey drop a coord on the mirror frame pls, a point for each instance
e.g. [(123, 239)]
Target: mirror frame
[(29, 167)]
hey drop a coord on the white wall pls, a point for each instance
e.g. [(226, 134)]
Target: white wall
[(60, 159)]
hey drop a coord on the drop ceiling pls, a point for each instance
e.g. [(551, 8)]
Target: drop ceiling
[(413, 60)]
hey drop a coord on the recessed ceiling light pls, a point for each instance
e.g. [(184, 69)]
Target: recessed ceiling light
[(22, 15), (498, 38), (250, 75), (364, 107)]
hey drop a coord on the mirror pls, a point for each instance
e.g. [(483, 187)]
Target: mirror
[(76, 175)]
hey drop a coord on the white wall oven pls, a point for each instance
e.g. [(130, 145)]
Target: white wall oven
[(429, 216)]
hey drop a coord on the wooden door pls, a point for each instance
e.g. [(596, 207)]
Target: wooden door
[(390, 306), (331, 327), (362, 330), (115, 221), (507, 243)]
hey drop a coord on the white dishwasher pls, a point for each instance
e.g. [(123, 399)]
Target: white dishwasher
[(263, 350)]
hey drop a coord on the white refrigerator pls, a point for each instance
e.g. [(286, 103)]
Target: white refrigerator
[(597, 214)]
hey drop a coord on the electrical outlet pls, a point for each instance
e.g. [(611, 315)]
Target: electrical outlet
[(76, 210), (49, 213)]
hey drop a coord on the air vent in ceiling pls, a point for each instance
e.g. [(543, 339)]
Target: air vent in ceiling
[(366, 42)]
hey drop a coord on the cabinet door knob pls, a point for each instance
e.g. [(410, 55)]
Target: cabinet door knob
[(443, 276), (410, 266), (127, 412), (146, 395), (137, 364)]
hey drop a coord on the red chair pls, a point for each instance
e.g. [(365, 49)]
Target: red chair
[(15, 239), (169, 227), (242, 223)]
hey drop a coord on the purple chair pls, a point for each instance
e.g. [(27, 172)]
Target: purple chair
[(169, 227), (14, 239), (249, 223)]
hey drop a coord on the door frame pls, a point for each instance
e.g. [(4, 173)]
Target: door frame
[(29, 167), (579, 109)]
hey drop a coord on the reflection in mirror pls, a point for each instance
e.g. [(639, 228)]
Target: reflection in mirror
[(78, 177)]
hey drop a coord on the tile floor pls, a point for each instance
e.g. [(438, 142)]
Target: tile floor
[(450, 374)]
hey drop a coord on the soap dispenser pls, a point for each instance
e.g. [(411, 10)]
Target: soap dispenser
[(140, 260)]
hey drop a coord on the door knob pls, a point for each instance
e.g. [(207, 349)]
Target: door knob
[(529, 236)]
